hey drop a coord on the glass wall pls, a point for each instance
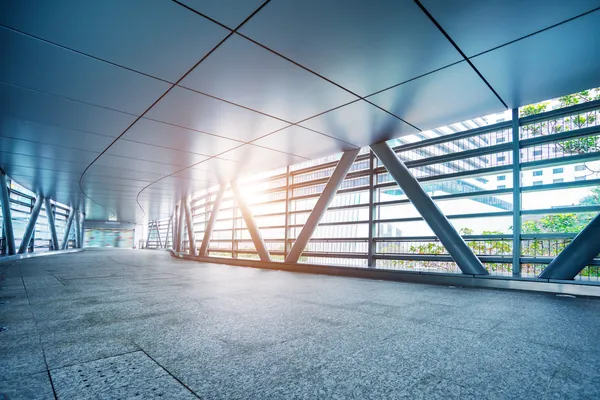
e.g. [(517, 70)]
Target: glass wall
[(21, 205), (469, 172)]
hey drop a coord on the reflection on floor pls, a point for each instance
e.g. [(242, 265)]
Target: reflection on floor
[(134, 323)]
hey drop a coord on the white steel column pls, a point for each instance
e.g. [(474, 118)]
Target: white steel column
[(65, 241), (331, 188), (50, 216), (437, 221), (208, 229), (259, 243), (190, 227), (31, 224)]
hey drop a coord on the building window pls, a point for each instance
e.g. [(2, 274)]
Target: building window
[(500, 158), (537, 183), (501, 140), (558, 170), (537, 153), (482, 180), (501, 186), (559, 180), (580, 178), (538, 173), (580, 168), (502, 178)]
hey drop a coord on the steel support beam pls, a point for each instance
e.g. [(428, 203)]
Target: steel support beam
[(30, 228), (158, 235), (371, 245), (328, 193), (257, 239), (190, 226), (65, 241), (212, 220), (149, 233), (168, 229), (577, 255), (82, 229), (174, 228), (439, 224), (516, 174), (50, 216), (180, 226), (7, 216), (78, 241)]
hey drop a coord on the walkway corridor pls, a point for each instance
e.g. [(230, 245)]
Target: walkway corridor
[(116, 324)]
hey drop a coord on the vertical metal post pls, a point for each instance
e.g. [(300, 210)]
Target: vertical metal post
[(168, 228), (516, 175), (190, 225), (259, 243), (328, 193), (234, 242), (288, 193), (439, 224), (208, 229), (50, 216), (180, 226), (30, 228), (6, 216), (78, 243), (158, 235), (371, 243), (82, 232), (175, 228), (150, 226), (65, 241), (577, 255)]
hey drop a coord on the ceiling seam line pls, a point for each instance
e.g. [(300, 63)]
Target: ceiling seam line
[(536, 32), (447, 36), (202, 15), (176, 84), (67, 98), (61, 127), (324, 78), (260, 112), (83, 54), (147, 110)]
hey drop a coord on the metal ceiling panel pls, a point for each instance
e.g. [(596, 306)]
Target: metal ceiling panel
[(364, 46), (135, 164), (553, 63), (157, 37), (45, 150), (51, 110), (359, 123), (258, 159), (450, 95), (245, 73), (215, 170), (132, 183), (30, 62), (477, 26), (191, 110), (148, 152), (174, 137), (123, 173), (69, 138), (22, 160), (303, 142), (230, 13)]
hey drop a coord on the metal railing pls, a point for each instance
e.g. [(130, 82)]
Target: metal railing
[(460, 167)]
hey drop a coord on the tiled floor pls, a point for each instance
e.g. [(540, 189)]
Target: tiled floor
[(139, 324)]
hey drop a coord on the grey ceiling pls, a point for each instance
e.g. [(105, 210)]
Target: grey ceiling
[(125, 106)]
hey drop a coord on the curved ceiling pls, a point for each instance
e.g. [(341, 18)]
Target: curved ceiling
[(122, 107)]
